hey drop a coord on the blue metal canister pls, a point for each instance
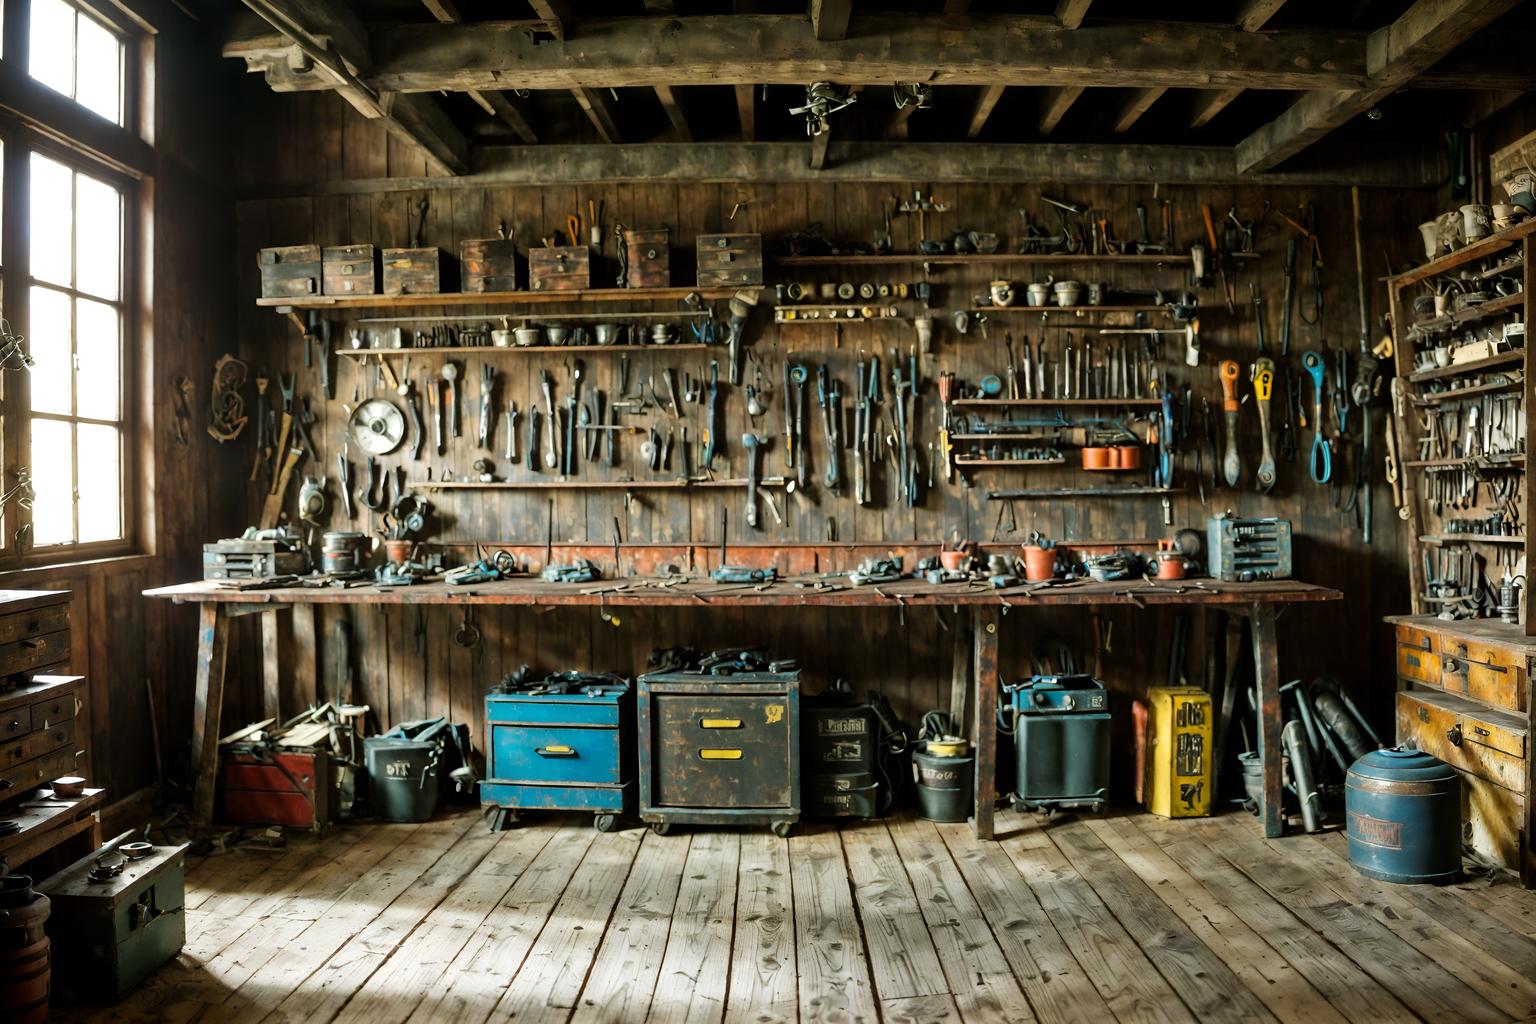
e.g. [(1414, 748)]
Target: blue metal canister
[(1404, 811)]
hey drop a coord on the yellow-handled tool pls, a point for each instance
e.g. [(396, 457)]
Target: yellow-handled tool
[(1263, 374)]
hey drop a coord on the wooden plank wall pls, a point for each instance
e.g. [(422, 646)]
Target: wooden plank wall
[(406, 661)]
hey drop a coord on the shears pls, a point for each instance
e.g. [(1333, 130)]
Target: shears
[(1320, 464)]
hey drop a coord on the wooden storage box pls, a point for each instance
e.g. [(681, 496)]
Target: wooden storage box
[(38, 734), (649, 258), (561, 268), (350, 269), (263, 785), (488, 265), (290, 271), (726, 261), (34, 635), (239, 559), (413, 271)]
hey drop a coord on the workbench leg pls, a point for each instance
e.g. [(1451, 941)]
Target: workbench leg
[(306, 655), (271, 679), (985, 620), (960, 668), (212, 647), (1266, 673)]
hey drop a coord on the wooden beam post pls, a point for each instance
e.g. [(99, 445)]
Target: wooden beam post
[(1253, 14), (986, 622), (1136, 104), (829, 18), (746, 111), (511, 116), (554, 14), (1071, 12), (1266, 668), (1054, 105), (595, 103), (984, 104), (1209, 103), (490, 101), (674, 110), (208, 699)]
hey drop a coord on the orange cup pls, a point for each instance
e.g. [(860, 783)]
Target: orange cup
[(1096, 458)]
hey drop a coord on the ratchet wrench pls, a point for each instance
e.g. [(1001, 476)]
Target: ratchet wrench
[(1263, 390)]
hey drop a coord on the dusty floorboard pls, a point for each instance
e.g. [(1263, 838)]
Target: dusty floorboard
[(1125, 918)]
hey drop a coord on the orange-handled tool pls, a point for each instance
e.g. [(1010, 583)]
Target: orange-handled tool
[(1231, 466)]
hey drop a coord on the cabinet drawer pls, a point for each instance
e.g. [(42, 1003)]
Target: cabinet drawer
[(35, 744), (1476, 740), (555, 754), (722, 751), (24, 625), (1422, 666), (1412, 636), (544, 711), (53, 711), (23, 778), (30, 653), (1497, 683), (15, 722)]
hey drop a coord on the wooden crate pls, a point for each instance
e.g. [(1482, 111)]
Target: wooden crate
[(648, 258), (413, 271), (726, 261), (350, 269), (561, 268), (488, 265), (289, 271)]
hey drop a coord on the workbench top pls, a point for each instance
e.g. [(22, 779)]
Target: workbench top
[(789, 591)]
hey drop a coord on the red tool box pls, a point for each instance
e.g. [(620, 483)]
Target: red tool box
[(264, 785)]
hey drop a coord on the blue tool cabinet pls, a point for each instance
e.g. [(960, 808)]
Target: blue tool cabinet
[(560, 752)]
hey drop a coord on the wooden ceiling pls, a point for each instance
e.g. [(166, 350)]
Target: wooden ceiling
[(1253, 82)]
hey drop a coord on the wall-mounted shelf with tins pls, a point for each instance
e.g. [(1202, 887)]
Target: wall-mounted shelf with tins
[(1455, 394), (979, 463), (963, 259), (1510, 358), (1001, 403), (500, 300), (1472, 314), (1127, 491), (1058, 310), (1470, 538), (583, 485), (451, 350)]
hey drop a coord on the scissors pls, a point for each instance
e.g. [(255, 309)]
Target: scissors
[(1320, 465)]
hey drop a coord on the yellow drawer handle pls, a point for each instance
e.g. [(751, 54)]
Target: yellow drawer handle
[(555, 750), (720, 754), (719, 723)]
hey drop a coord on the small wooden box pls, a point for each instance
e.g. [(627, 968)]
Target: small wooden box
[(413, 271), (289, 271), (350, 269), (649, 258), (726, 261), (561, 268), (488, 265)]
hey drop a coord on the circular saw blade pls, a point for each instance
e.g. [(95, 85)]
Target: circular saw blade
[(377, 426)]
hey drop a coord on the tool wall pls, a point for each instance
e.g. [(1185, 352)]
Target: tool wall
[(406, 655)]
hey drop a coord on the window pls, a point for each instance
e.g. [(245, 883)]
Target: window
[(76, 337), (73, 52)]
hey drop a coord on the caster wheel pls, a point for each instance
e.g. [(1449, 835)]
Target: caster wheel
[(498, 818), (661, 828), (782, 828), (605, 822), (1049, 811), (1098, 808)]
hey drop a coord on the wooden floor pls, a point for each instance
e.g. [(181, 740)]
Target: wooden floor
[(1122, 918)]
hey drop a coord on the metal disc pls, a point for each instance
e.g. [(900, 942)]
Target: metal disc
[(377, 426)]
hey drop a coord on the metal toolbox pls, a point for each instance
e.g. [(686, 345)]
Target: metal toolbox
[(289, 271), (413, 271), (109, 933), (720, 749), (1061, 732), (648, 258), (267, 785), (1244, 550), (350, 269), (562, 268), (488, 265), (39, 739), (237, 559), (1179, 749), (726, 261), (567, 751)]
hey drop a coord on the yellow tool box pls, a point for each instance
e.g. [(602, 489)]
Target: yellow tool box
[(1179, 748)]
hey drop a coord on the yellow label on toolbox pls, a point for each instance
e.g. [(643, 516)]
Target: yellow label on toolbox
[(720, 723), (720, 753), (773, 714)]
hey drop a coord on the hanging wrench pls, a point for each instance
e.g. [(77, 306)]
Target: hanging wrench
[(413, 410), (435, 406), (1263, 389), (1231, 465), (510, 454), (1320, 464)]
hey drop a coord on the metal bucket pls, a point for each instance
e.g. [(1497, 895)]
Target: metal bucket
[(402, 776), (1404, 813), (945, 785)]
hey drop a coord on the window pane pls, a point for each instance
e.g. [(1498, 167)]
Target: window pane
[(49, 340), (100, 483), (52, 57), (52, 219), (97, 344), (99, 241), (53, 474), (99, 70)]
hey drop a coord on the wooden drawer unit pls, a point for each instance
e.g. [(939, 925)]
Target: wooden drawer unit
[(564, 268), (488, 265), (44, 703), (36, 743), (1475, 739), (726, 261), (648, 258), (350, 269), (413, 271), (34, 635), (290, 271), (1486, 669), (39, 740)]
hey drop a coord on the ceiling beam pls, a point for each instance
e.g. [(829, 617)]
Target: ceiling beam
[(1071, 12), (1136, 104), (1055, 104), (660, 7), (1395, 54), (554, 14), (1253, 14), (1209, 103), (746, 111), (490, 101), (600, 113), (829, 18), (753, 49), (954, 8), (984, 104), (819, 145), (336, 43), (675, 114)]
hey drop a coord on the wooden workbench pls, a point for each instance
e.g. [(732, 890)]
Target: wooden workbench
[(1259, 602)]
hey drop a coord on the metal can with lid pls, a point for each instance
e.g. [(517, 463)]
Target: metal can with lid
[(1404, 817), (343, 551)]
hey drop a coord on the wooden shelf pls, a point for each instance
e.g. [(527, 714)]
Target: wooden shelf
[(1443, 397), (1472, 538), (1006, 437), (979, 463), (1005, 402), (1467, 254), (1079, 310), (1472, 314), (961, 259), (1128, 491), (1481, 462), (582, 485), (1509, 358), (451, 350), (497, 299)]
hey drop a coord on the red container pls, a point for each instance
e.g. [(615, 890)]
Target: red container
[(290, 787), (1039, 563)]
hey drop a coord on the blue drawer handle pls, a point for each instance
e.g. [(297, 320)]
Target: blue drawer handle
[(555, 751)]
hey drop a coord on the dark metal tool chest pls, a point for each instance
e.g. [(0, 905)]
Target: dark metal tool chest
[(720, 749), (1061, 736), (840, 755), (109, 934), (571, 751)]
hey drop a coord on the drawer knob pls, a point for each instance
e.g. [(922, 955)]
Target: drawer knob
[(1454, 735), (1451, 665)]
